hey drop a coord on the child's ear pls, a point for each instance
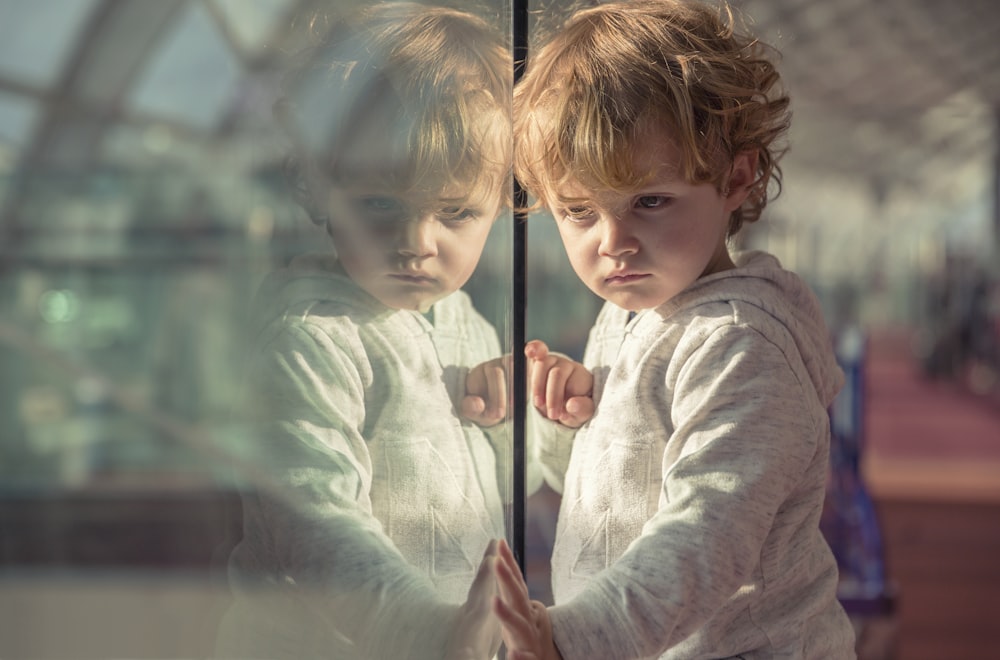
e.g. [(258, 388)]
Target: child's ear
[(742, 176), (303, 191)]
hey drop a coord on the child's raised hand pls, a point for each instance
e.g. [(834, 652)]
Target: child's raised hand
[(486, 392), (526, 628), (560, 388), (476, 634)]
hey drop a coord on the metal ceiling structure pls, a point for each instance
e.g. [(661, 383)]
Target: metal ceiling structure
[(895, 95), (896, 90)]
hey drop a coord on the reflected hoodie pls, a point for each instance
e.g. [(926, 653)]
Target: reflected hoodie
[(689, 525), (371, 502)]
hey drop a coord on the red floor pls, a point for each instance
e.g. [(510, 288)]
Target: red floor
[(934, 436), (932, 464)]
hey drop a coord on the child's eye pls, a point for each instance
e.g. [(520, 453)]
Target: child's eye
[(382, 209), (380, 205), (579, 213), (457, 214), (381, 214), (652, 201)]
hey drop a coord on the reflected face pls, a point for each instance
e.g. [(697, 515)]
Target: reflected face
[(409, 251), (638, 249)]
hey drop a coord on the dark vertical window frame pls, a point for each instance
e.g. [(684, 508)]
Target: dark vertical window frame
[(519, 12)]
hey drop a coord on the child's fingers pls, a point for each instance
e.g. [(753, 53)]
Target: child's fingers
[(496, 387), (555, 389), (579, 409), (580, 382), (511, 587), (537, 353), (483, 585), (472, 406), (546, 382), (477, 633), (536, 350), (518, 631), (506, 556), (538, 372)]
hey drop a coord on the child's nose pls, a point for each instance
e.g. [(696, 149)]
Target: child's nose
[(617, 238), (417, 239)]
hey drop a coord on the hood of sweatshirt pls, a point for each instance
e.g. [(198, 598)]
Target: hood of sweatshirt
[(759, 280), (310, 280)]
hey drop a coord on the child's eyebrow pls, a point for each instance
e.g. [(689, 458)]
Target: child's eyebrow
[(474, 200), (566, 201)]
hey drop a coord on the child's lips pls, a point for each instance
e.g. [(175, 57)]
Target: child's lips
[(625, 277), (412, 278)]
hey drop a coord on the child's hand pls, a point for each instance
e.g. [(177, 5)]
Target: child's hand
[(560, 388), (486, 392), (527, 631), (476, 635)]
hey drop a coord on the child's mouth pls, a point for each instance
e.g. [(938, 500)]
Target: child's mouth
[(412, 279), (625, 278)]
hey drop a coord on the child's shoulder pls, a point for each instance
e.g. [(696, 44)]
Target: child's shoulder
[(756, 294), (739, 322), (314, 287), (310, 303)]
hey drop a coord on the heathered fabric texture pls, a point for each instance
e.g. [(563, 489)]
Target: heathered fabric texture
[(377, 501), (691, 500)]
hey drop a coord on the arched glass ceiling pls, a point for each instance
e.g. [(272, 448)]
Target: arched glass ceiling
[(17, 119), (36, 38), (897, 93), (252, 22), (192, 73)]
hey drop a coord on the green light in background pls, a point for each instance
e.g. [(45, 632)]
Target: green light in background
[(58, 306)]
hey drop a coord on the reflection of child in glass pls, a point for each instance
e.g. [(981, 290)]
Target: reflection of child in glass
[(692, 495), (370, 541)]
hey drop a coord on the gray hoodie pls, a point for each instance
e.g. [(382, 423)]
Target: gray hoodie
[(374, 500), (689, 525)]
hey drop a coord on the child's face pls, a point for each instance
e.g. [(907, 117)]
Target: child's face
[(638, 249), (409, 251)]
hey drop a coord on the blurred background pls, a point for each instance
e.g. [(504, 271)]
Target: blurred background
[(142, 199)]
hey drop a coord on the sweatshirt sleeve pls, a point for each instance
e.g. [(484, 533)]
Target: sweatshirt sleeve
[(313, 511), (743, 435), (550, 444)]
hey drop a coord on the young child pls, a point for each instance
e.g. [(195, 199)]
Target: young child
[(373, 499), (692, 496)]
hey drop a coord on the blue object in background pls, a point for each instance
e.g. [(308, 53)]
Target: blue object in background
[(850, 522)]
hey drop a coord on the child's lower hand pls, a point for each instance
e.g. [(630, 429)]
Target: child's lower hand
[(526, 628), (561, 389), (476, 634), (486, 392)]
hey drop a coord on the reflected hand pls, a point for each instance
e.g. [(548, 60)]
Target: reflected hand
[(527, 630), (487, 395), (476, 635), (561, 389)]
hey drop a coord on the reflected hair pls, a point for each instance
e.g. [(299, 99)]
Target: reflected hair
[(426, 89), (614, 72)]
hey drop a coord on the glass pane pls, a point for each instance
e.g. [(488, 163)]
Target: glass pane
[(191, 74), (233, 363), (30, 59), (18, 116), (253, 22)]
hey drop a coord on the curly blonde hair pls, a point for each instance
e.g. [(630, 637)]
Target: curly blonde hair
[(413, 96), (590, 94)]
